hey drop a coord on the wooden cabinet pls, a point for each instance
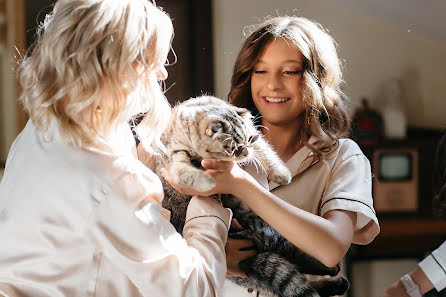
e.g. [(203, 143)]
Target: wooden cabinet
[(410, 234), (12, 46)]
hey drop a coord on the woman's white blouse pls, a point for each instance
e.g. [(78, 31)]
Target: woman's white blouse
[(89, 223), (434, 266)]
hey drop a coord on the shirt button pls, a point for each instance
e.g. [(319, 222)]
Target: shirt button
[(250, 290)]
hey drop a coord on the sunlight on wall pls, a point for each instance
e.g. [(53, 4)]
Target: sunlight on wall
[(374, 52)]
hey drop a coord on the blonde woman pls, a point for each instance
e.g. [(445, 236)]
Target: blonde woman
[(80, 215), (288, 73)]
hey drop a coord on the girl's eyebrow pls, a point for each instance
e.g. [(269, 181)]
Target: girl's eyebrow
[(283, 62)]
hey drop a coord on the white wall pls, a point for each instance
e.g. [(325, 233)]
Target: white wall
[(374, 51)]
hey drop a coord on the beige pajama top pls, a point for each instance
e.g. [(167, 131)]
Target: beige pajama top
[(340, 181)]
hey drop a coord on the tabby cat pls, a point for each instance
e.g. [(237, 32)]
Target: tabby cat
[(208, 127)]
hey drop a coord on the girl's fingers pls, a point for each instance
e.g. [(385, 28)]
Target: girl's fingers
[(223, 166), (240, 244), (236, 225)]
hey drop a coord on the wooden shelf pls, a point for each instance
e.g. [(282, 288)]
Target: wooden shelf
[(403, 237)]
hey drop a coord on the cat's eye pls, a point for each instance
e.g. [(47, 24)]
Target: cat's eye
[(216, 126)]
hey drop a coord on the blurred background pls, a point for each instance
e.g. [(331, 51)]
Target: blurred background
[(394, 58)]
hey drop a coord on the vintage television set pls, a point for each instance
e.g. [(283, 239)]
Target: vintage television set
[(396, 179)]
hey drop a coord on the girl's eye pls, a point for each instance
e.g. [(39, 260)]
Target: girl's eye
[(259, 71), (293, 72)]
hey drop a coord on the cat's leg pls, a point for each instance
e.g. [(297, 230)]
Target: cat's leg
[(270, 272), (331, 286), (183, 173), (273, 165), (177, 204)]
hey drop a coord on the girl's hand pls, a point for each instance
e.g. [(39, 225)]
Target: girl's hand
[(237, 250), (228, 176)]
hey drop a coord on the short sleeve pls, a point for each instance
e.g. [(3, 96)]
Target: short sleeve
[(350, 188), (434, 266)]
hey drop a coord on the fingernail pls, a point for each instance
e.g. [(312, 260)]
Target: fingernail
[(205, 162)]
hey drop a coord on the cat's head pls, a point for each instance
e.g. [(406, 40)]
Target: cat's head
[(219, 130)]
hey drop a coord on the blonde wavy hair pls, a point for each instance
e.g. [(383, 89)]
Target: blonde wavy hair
[(326, 115), (84, 71)]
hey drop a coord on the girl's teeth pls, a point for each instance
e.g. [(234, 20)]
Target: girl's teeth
[(276, 100)]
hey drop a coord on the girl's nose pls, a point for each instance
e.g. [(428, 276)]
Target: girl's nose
[(273, 82)]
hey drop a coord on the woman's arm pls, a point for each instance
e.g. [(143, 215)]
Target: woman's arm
[(429, 273), (398, 290), (326, 238)]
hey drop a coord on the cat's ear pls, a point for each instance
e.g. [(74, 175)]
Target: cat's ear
[(213, 128), (243, 112)]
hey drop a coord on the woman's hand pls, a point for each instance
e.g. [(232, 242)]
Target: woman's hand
[(395, 290), (237, 250), (228, 176), (418, 276)]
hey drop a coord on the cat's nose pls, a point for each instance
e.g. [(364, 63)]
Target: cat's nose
[(239, 150)]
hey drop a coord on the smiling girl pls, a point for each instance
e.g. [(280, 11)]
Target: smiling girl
[(289, 74)]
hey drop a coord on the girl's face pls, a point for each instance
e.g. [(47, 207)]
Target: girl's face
[(276, 83)]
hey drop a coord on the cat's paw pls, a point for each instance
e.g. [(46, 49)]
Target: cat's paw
[(280, 175), (340, 286), (198, 181), (332, 271), (331, 286)]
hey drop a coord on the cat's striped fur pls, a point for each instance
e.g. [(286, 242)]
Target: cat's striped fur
[(207, 127)]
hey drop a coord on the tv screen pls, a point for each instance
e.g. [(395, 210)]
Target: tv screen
[(395, 167)]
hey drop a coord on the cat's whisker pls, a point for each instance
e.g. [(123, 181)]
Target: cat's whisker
[(255, 164), (230, 146), (257, 117), (227, 138), (261, 126), (256, 156)]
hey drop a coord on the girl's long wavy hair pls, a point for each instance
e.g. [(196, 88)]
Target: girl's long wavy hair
[(439, 202), (82, 72), (326, 115)]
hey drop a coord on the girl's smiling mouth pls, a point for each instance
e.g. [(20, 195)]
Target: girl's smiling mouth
[(276, 99)]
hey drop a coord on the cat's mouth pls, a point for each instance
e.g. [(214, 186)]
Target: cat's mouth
[(276, 99), (238, 149)]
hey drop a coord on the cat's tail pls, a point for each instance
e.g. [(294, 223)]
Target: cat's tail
[(270, 272)]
